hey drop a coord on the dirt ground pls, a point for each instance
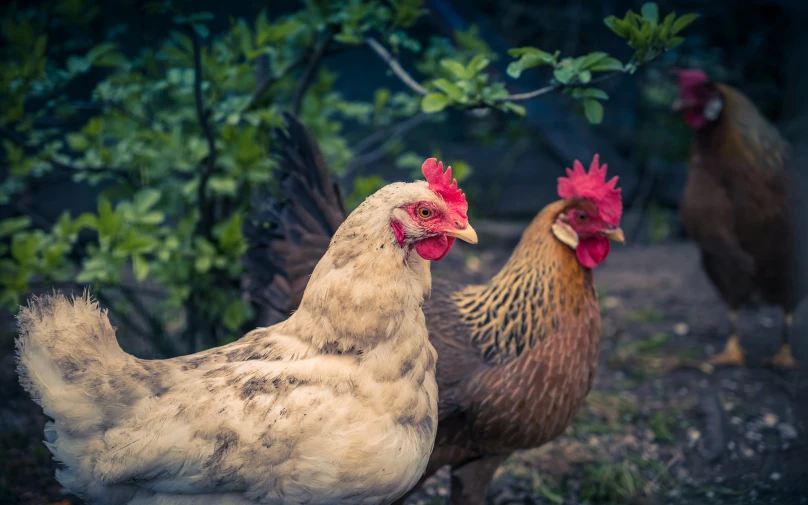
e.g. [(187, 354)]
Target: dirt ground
[(655, 430)]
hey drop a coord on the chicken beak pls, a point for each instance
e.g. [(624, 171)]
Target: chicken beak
[(615, 234), (467, 234)]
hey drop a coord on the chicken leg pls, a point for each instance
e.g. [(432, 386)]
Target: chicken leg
[(732, 355), (783, 358), (471, 481)]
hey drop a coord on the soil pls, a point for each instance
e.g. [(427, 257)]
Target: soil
[(656, 428)]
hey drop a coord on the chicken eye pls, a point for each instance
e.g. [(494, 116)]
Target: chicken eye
[(425, 213), (582, 217)]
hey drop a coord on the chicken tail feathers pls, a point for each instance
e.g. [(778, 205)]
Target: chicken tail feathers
[(65, 353), (289, 235)]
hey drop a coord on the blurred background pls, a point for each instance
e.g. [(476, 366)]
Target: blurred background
[(105, 135)]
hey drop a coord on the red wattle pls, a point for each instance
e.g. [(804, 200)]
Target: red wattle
[(591, 251), (434, 248), (695, 119)]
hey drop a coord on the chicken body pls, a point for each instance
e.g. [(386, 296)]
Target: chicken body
[(736, 207), (335, 405), (516, 356)]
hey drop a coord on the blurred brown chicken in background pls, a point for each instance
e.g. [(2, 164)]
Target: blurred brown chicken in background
[(736, 205)]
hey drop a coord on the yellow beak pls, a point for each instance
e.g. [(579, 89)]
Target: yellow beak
[(467, 234), (615, 234)]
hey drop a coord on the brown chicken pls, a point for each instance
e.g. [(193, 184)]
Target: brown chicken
[(516, 356), (736, 205)]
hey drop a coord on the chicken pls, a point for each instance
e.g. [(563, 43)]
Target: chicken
[(335, 405), (736, 205), (516, 356)]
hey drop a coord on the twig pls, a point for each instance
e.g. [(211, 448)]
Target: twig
[(556, 86), (395, 66), (394, 133), (308, 74), (203, 115)]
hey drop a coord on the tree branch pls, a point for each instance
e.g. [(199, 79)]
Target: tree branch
[(386, 136), (553, 87), (204, 116), (308, 75), (395, 66)]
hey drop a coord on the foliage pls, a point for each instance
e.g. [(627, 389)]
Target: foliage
[(177, 139)]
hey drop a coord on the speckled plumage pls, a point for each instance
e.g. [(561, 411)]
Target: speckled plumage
[(516, 356), (335, 405)]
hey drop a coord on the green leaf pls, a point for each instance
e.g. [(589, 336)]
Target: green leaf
[(145, 199), (77, 65), (434, 102), (201, 30), (13, 225), (515, 108), (594, 93), (650, 12), (617, 25), (673, 42), (477, 64), (607, 64), (585, 76), (591, 59), (140, 267), (564, 74), (456, 68), (593, 110), (449, 89), (223, 185), (683, 22)]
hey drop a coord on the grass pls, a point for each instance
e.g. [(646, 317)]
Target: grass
[(661, 424), (621, 482), (604, 412), (646, 315)]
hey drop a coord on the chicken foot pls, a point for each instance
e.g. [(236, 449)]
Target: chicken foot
[(732, 355), (783, 358)]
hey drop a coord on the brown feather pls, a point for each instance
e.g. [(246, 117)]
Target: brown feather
[(736, 205)]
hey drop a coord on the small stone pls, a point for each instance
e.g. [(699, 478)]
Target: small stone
[(442, 491), (736, 421), (775, 476), (693, 435), (787, 431), (770, 420), (728, 406), (754, 436), (767, 322), (731, 445), (747, 452), (681, 329), (611, 302)]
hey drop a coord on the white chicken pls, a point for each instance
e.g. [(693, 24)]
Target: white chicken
[(336, 405)]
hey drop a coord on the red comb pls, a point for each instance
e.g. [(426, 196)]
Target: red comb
[(687, 77), (442, 183), (593, 185)]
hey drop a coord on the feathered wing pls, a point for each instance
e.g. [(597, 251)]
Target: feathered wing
[(288, 237)]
